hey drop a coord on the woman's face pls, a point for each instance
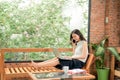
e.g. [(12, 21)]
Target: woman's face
[(75, 37)]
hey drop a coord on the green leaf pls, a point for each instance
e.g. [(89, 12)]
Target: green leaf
[(102, 43), (94, 46), (114, 52), (99, 51)]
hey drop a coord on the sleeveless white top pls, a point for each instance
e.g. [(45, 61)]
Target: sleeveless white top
[(79, 50)]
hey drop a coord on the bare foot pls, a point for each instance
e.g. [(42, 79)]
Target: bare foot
[(33, 64)]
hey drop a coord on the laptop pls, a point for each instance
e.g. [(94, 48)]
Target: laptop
[(58, 54)]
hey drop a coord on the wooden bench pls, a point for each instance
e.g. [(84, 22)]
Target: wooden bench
[(9, 71)]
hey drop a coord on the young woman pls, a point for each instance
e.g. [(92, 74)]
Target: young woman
[(77, 60)]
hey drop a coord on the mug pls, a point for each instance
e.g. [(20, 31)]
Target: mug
[(65, 69)]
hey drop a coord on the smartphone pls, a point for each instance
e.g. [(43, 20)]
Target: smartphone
[(74, 41)]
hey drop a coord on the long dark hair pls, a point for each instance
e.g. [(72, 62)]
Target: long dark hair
[(76, 31)]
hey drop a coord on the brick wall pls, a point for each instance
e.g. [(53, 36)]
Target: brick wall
[(114, 22), (118, 20), (100, 11), (97, 28)]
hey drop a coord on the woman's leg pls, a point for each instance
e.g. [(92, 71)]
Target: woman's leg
[(51, 62)]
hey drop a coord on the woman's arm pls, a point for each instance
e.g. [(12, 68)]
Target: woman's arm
[(73, 46)]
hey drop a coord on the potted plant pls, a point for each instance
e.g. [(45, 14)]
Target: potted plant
[(99, 52)]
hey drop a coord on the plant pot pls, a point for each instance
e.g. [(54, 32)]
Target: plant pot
[(103, 74)]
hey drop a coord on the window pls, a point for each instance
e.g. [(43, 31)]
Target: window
[(41, 23)]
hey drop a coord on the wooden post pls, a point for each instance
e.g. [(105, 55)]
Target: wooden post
[(2, 73), (112, 68)]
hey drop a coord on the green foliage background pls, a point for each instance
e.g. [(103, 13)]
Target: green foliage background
[(39, 25)]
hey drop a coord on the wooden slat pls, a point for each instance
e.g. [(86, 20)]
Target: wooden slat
[(34, 49), (26, 69), (12, 70), (117, 73), (22, 70), (34, 69), (17, 70), (7, 71), (30, 69), (118, 49)]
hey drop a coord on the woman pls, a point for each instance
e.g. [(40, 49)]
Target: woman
[(77, 60)]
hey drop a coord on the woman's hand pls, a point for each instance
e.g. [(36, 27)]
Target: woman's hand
[(73, 42), (73, 45)]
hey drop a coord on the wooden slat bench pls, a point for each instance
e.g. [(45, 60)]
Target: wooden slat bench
[(10, 71)]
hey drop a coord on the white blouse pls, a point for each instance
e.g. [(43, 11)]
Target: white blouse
[(79, 50)]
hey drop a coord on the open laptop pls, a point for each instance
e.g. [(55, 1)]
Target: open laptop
[(58, 54)]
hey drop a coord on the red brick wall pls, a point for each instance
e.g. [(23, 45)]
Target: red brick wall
[(97, 28), (114, 22), (118, 22), (100, 9)]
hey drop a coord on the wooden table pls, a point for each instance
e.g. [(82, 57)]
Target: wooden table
[(60, 76)]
